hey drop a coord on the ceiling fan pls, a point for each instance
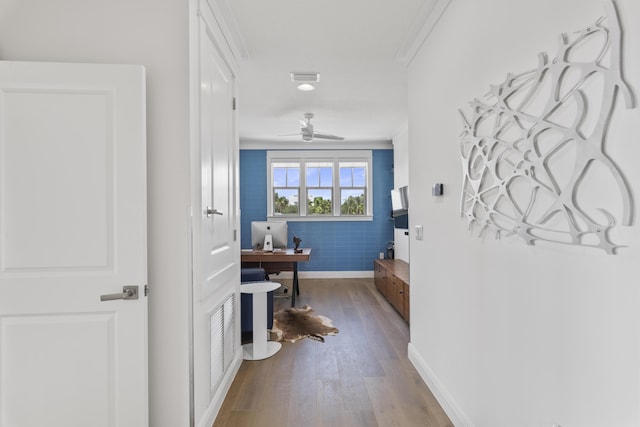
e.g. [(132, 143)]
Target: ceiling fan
[(308, 134)]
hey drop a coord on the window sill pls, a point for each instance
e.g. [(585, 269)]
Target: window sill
[(320, 218)]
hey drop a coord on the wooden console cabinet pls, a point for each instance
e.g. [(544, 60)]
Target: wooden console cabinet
[(391, 277)]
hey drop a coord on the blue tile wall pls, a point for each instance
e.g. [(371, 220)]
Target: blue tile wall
[(337, 245)]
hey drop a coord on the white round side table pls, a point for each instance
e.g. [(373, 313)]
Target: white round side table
[(261, 348)]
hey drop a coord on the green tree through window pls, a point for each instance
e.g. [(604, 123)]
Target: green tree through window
[(282, 205), (353, 205), (319, 206)]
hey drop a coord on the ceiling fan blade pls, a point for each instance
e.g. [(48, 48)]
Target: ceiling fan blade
[(327, 136)]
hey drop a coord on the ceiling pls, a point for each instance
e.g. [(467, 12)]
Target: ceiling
[(360, 48)]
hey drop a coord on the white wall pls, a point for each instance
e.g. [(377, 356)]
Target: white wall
[(508, 334), (154, 34), (400, 179)]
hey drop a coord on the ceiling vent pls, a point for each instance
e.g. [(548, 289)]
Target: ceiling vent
[(305, 77)]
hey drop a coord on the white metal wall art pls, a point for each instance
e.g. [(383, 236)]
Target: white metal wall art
[(532, 149)]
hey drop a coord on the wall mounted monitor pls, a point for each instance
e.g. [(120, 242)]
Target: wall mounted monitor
[(399, 201)]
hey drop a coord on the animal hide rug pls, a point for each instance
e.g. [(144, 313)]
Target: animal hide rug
[(293, 324)]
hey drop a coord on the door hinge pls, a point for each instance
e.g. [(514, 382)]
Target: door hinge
[(146, 290), (233, 104), (235, 235)]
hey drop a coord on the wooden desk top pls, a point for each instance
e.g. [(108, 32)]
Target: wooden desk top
[(397, 267), (278, 255)]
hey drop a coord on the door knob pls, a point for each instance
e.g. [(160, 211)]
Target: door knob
[(210, 212), (128, 292)]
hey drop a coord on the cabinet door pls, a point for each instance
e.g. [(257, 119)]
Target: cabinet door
[(380, 279), (405, 298), (395, 293)]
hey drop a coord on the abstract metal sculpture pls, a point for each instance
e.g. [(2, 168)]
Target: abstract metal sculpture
[(529, 143), (296, 242)]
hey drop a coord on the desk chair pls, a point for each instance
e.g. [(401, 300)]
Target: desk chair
[(285, 288)]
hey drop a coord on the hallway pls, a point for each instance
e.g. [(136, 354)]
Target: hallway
[(360, 377)]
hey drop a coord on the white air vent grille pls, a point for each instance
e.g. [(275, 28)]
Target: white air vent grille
[(305, 77), (222, 329), (217, 347)]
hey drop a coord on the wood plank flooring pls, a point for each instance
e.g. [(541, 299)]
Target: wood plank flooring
[(360, 377)]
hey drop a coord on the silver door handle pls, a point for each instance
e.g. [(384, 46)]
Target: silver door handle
[(210, 212), (128, 292)]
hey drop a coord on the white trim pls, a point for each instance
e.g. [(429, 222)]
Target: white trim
[(227, 22), (321, 218), (449, 405), (320, 155), (365, 274), (424, 23), (227, 49), (342, 145)]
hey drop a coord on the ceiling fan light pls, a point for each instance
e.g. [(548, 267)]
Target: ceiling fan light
[(306, 87)]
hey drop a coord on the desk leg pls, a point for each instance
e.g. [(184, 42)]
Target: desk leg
[(296, 289)]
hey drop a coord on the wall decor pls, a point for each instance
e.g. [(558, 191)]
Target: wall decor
[(532, 148)]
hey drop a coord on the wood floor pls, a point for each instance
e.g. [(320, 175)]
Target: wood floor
[(360, 377)]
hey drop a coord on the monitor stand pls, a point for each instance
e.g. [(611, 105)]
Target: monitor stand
[(268, 243)]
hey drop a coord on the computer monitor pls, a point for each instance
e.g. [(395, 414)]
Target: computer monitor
[(277, 229)]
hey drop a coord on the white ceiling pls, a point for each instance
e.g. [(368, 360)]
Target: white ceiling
[(359, 47)]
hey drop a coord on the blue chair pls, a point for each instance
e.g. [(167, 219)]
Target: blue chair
[(246, 300)]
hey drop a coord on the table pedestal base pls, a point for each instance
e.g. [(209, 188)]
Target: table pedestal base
[(261, 348), (250, 352)]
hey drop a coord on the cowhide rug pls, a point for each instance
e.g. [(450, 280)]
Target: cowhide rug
[(293, 324)]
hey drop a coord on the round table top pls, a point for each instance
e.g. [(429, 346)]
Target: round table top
[(255, 287)]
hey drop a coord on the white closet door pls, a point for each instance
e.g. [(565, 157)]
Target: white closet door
[(72, 228)]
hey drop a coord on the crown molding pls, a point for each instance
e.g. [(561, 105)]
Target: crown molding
[(227, 23), (323, 145), (425, 22)]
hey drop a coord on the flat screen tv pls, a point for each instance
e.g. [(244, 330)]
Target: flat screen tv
[(399, 201)]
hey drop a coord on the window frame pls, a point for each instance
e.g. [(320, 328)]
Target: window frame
[(336, 157)]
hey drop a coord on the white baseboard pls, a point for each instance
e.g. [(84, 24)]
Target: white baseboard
[(325, 275), (455, 414), (211, 413)]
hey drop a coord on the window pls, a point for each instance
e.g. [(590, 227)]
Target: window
[(319, 188), (334, 185), (353, 189), (286, 188)]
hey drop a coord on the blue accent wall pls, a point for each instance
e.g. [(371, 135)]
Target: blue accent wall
[(337, 245)]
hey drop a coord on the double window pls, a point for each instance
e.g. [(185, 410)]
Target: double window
[(319, 185)]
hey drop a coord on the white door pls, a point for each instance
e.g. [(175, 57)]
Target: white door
[(72, 228), (216, 251)]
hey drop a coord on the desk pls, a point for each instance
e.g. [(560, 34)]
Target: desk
[(278, 260)]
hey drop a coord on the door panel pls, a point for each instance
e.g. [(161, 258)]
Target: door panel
[(42, 353), (72, 228), (217, 244), (44, 218)]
